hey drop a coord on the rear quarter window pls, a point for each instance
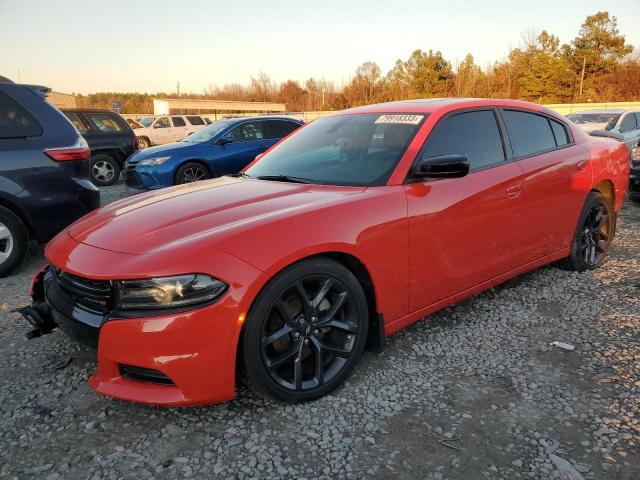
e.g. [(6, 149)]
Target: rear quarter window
[(16, 121), (560, 132), (105, 122), (281, 128), (194, 120), (529, 133)]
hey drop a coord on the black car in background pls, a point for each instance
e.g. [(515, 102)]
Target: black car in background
[(44, 171), (110, 138), (634, 180)]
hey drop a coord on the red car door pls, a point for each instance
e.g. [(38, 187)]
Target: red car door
[(557, 180), (460, 229)]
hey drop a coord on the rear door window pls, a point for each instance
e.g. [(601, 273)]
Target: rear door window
[(628, 123), (195, 120), (529, 133), (104, 122), (78, 122), (248, 132), (473, 134), (162, 122), (178, 122), (281, 128), (15, 120)]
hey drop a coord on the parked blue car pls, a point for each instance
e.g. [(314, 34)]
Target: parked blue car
[(221, 148)]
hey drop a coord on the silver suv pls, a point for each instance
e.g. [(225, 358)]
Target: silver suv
[(626, 123), (168, 129)]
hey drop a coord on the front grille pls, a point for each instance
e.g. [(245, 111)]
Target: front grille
[(94, 295), (141, 374)]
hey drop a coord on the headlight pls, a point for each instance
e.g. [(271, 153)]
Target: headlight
[(168, 292), (152, 162)]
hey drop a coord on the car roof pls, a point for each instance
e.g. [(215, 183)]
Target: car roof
[(87, 110), (603, 110), (263, 117), (431, 105)]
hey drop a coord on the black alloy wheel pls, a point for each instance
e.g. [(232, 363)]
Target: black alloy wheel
[(594, 240), (308, 332), (191, 172), (593, 235)]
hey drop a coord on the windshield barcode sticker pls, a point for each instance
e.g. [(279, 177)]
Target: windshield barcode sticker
[(408, 119)]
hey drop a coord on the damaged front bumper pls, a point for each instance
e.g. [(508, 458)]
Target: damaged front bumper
[(55, 306)]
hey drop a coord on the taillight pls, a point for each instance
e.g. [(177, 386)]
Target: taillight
[(77, 151)]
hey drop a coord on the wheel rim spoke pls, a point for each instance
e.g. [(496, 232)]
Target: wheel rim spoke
[(274, 337), (288, 355), (340, 325), (297, 368), (335, 307), (322, 293), (319, 361)]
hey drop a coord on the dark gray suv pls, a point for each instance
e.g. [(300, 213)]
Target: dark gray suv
[(44, 171)]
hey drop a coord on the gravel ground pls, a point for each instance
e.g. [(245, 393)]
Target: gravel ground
[(474, 392)]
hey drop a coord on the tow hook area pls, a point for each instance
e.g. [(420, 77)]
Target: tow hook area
[(38, 315)]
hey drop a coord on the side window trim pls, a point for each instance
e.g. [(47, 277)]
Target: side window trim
[(503, 137), (549, 118)]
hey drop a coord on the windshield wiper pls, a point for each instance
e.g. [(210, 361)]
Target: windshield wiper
[(288, 178)]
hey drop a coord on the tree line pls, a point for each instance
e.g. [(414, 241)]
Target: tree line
[(598, 65)]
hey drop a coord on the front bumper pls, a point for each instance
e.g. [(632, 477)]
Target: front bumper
[(192, 353), (141, 179)]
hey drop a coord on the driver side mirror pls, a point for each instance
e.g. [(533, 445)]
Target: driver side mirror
[(442, 166), (156, 125), (224, 140)]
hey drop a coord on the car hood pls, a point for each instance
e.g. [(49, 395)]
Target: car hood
[(159, 150), (199, 214)]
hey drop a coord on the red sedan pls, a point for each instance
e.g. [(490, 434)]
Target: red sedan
[(353, 227)]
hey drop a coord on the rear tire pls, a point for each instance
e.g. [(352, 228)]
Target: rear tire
[(191, 172), (105, 170), (305, 331), (143, 142), (14, 241), (593, 235)]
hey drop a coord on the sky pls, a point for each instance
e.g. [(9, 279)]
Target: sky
[(148, 46)]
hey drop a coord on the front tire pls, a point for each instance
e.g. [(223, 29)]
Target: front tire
[(105, 170), (192, 172), (14, 240), (306, 331), (593, 235)]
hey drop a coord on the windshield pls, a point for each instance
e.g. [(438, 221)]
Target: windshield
[(146, 121), (207, 133), (358, 150), (597, 120)]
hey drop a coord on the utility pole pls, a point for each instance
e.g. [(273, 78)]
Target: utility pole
[(584, 64), (178, 88)]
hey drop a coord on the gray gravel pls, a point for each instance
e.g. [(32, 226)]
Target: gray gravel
[(474, 392)]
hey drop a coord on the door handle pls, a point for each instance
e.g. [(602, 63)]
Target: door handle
[(582, 164), (514, 191)]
